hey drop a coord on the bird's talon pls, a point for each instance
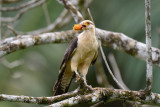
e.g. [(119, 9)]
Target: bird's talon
[(77, 78), (89, 87)]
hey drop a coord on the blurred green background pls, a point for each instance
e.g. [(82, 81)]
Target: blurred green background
[(39, 70)]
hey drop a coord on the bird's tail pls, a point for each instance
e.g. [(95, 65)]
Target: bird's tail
[(63, 82)]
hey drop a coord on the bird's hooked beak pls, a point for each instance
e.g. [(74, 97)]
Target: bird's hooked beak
[(79, 27)]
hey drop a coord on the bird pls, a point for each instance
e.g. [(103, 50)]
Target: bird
[(82, 52)]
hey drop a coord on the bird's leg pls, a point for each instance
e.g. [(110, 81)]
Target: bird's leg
[(77, 76), (86, 86), (82, 81)]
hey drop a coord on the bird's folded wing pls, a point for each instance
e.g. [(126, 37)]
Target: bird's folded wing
[(69, 52)]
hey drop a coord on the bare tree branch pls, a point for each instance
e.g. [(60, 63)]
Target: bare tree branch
[(117, 41), (99, 94), (21, 12), (76, 14), (19, 6), (21, 42), (11, 29), (37, 100), (148, 87)]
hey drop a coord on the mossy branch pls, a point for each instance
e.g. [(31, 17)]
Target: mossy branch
[(98, 94)]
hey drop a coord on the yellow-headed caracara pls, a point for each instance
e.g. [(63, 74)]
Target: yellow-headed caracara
[(80, 54)]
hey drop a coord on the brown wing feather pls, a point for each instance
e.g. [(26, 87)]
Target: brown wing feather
[(58, 86)]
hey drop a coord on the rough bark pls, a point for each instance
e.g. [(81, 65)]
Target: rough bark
[(78, 97), (117, 41)]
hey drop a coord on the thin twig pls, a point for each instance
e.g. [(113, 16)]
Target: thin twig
[(8, 33), (21, 12), (46, 13), (90, 15), (76, 14), (106, 63), (100, 74), (19, 6), (116, 70), (11, 29), (148, 87), (13, 64)]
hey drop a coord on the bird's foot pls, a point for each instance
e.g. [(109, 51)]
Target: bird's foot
[(78, 77), (87, 87), (83, 83)]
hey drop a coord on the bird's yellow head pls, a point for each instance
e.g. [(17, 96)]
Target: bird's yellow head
[(84, 25)]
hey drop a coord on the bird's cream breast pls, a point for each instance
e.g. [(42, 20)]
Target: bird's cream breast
[(87, 42), (87, 46)]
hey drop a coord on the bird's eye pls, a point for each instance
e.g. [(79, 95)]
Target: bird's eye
[(88, 23)]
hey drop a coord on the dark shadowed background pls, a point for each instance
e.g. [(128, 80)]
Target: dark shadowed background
[(40, 64)]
